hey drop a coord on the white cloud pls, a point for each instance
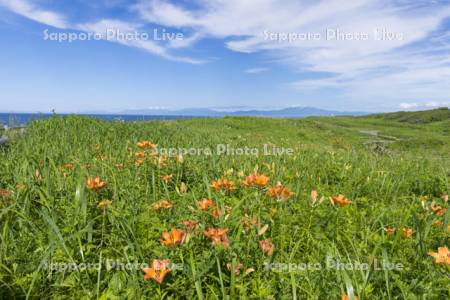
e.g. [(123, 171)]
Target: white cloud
[(428, 105), (255, 70), (411, 69), (32, 12), (102, 26), (185, 42), (437, 104), (363, 70), (408, 105)]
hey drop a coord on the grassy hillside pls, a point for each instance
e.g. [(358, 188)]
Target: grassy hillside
[(417, 117), (59, 236)]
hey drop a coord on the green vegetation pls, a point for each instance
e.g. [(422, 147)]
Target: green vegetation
[(418, 117), (395, 174)]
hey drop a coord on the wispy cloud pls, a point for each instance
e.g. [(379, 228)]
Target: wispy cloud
[(35, 13), (255, 70), (408, 62), (428, 105), (148, 45), (405, 105), (47, 17), (387, 66)]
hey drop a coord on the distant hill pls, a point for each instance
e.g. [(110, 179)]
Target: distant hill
[(417, 117), (290, 112)]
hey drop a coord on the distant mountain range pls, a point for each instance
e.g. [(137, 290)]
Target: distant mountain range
[(289, 112)]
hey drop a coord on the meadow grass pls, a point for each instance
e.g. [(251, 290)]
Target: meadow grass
[(391, 171)]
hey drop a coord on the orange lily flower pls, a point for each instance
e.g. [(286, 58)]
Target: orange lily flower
[(138, 162), (140, 154), (167, 177), (237, 268), (218, 236), (437, 209), (190, 224), (216, 213), (146, 144), (441, 212), (162, 204), (205, 204), (266, 246), (442, 256), (104, 204), (438, 223), (434, 207), (95, 183), (5, 193), (345, 297), (223, 184), (159, 269), (340, 200), (173, 238), (248, 181), (216, 185), (390, 231), (279, 191), (407, 232), (258, 180)]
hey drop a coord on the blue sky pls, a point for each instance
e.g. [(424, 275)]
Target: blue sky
[(231, 53)]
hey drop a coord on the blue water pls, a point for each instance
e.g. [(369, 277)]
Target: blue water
[(20, 119)]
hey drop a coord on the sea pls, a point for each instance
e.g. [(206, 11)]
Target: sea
[(21, 119)]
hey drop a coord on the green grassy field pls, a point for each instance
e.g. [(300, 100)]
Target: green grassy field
[(56, 242)]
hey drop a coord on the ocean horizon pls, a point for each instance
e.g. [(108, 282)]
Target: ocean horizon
[(21, 119)]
